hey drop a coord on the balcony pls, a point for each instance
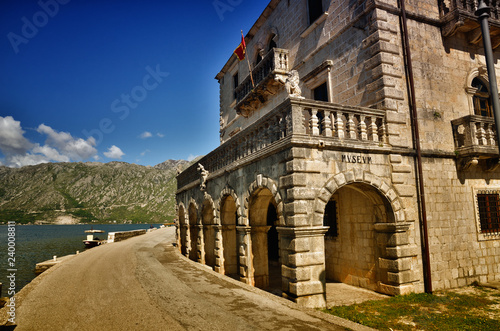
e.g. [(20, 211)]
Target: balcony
[(475, 139), (296, 121), (458, 16), (249, 97)]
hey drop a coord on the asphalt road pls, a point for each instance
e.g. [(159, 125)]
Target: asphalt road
[(144, 284)]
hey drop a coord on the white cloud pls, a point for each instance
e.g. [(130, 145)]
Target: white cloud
[(161, 135), (114, 153), (12, 140), (144, 152), (18, 151), (76, 149), (50, 153), (145, 134)]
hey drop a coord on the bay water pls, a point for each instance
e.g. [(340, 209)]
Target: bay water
[(38, 243)]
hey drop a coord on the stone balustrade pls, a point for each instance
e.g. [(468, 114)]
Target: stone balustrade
[(475, 136), (333, 124), (355, 124), (265, 76), (275, 61), (459, 16), (468, 7)]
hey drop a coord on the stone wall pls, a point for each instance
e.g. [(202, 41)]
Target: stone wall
[(119, 236)]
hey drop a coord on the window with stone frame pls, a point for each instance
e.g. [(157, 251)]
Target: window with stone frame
[(488, 204), (481, 98), (314, 9), (330, 219), (320, 93)]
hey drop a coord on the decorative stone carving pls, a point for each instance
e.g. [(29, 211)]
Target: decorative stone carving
[(291, 83), (204, 175)]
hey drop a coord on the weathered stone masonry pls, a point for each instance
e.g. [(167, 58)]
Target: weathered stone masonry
[(316, 182)]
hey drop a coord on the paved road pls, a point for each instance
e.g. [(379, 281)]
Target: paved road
[(144, 284)]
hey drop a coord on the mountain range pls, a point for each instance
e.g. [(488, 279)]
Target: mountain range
[(68, 193)]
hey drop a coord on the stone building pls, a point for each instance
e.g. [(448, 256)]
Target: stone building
[(317, 175)]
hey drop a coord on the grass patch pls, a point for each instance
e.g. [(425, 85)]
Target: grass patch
[(441, 311)]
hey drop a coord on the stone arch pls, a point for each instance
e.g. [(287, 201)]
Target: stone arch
[(183, 226), (229, 215), (194, 223), (208, 220), (272, 38), (359, 176), (480, 73), (228, 191), (262, 182), (371, 248), (264, 213)]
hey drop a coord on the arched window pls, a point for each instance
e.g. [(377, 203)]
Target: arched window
[(258, 58), (481, 98), (272, 44)]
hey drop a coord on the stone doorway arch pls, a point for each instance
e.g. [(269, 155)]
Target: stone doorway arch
[(370, 247), (263, 219), (229, 220), (193, 232), (183, 229), (208, 222)]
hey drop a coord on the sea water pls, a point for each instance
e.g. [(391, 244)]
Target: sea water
[(38, 243)]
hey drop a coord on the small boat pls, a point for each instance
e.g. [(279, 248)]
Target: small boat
[(93, 240)]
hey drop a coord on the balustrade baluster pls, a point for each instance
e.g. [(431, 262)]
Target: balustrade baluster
[(340, 126), (481, 134), (314, 122), (351, 126), (373, 129), (382, 133), (491, 134), (332, 123), (473, 133), (327, 124), (362, 127)]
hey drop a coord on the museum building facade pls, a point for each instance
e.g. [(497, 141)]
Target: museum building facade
[(323, 174)]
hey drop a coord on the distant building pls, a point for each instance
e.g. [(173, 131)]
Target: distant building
[(316, 176)]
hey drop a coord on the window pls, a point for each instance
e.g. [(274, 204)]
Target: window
[(235, 83), (315, 9), (489, 211), (330, 219), (481, 98), (258, 59), (320, 93), (272, 44)]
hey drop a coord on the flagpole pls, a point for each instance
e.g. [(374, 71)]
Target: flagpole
[(248, 61)]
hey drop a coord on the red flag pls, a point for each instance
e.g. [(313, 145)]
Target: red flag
[(240, 51)]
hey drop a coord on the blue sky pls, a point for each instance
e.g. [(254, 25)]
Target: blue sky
[(86, 80)]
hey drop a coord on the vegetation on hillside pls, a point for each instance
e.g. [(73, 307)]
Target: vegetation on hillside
[(86, 192)]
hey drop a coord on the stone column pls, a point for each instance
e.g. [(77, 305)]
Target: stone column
[(397, 258), (188, 239), (200, 245), (219, 250), (303, 264), (244, 253)]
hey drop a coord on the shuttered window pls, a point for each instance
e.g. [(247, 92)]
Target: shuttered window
[(489, 212)]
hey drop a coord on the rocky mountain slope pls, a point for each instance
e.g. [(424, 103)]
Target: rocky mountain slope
[(84, 192)]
